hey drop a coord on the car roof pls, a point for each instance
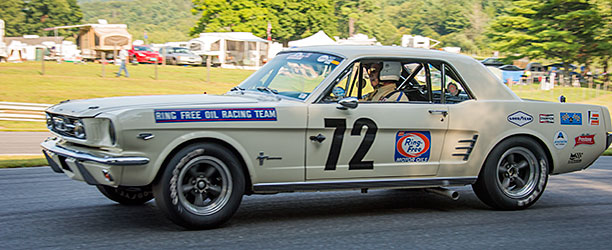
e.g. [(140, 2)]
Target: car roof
[(481, 81)]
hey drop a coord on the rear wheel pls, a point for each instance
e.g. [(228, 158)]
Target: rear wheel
[(126, 195), (201, 187), (514, 175)]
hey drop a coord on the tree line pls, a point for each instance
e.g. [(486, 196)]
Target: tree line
[(572, 31)]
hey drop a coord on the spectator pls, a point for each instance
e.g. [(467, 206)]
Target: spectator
[(123, 59)]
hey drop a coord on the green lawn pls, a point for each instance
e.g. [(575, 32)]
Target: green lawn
[(23, 82)]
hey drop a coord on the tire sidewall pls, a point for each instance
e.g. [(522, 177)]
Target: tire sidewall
[(489, 175), (125, 196), (166, 193)]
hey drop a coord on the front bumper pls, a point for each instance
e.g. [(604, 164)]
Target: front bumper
[(85, 166), (190, 61)]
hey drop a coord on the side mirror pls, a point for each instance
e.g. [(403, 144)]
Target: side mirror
[(348, 103)]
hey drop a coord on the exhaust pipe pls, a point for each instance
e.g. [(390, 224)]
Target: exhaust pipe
[(452, 194)]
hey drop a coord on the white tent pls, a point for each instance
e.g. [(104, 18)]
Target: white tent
[(319, 38)]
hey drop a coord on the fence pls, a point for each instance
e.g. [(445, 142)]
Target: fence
[(20, 111)]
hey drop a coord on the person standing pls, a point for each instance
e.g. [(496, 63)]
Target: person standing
[(123, 59)]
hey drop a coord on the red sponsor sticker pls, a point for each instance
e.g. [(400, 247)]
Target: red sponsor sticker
[(584, 139)]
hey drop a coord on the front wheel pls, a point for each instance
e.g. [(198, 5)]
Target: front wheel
[(126, 195), (201, 187), (514, 175)]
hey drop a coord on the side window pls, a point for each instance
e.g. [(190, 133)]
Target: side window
[(454, 92), (397, 81)]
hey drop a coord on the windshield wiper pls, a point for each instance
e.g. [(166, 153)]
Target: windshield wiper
[(269, 90), (237, 88)]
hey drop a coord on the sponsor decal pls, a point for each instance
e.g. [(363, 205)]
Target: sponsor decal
[(575, 158), (568, 118), (560, 140), (214, 115), (547, 118), (520, 118), (593, 117), (586, 139), (412, 146)]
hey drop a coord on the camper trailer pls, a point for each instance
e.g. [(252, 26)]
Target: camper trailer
[(95, 39)]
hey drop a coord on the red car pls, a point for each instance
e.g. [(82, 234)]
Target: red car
[(144, 54)]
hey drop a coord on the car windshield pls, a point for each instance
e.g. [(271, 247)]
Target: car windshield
[(181, 50), (293, 74), (143, 48)]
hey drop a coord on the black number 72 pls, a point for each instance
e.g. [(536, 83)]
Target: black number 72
[(357, 161)]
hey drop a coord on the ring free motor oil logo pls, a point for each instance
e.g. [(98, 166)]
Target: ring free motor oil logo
[(412, 146)]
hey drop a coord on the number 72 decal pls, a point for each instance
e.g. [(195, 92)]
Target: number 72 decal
[(356, 161)]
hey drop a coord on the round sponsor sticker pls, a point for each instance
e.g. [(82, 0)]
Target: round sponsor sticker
[(413, 144), (560, 139)]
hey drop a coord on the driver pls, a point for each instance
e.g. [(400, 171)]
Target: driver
[(383, 77)]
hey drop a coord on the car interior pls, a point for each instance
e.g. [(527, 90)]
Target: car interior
[(420, 80)]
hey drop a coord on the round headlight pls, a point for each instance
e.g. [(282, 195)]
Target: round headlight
[(79, 130)]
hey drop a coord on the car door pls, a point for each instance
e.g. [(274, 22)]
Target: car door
[(375, 139)]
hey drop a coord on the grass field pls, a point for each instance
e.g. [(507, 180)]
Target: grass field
[(23, 82)]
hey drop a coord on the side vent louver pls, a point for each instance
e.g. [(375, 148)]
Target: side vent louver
[(468, 149)]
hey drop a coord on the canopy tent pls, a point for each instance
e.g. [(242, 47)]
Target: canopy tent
[(319, 38)]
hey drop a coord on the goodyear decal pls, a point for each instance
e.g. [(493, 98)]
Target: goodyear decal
[(412, 146), (520, 118), (571, 118), (215, 115)]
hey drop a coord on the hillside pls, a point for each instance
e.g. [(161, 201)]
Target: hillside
[(163, 20)]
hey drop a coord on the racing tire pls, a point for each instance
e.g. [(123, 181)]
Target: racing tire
[(514, 175), (126, 195), (201, 187)]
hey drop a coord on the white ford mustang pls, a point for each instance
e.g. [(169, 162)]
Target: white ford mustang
[(326, 118)]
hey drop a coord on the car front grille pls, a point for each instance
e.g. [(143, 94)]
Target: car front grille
[(62, 125)]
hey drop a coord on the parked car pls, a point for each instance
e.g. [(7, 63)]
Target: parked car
[(492, 61), (300, 123), (181, 56), (144, 54)]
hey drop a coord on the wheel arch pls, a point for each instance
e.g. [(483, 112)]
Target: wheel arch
[(540, 142), (223, 143)]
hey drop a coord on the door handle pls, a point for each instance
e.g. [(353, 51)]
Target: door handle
[(439, 112), (318, 138)]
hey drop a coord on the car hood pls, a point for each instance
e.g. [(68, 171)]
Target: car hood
[(93, 107)]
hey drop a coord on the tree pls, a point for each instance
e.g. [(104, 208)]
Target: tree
[(290, 19), (13, 16), (563, 30), (40, 14)]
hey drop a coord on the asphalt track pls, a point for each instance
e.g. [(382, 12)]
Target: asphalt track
[(41, 209)]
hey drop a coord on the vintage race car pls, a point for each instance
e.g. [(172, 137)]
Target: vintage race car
[(309, 120)]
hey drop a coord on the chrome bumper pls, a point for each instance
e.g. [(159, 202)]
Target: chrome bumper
[(50, 144)]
